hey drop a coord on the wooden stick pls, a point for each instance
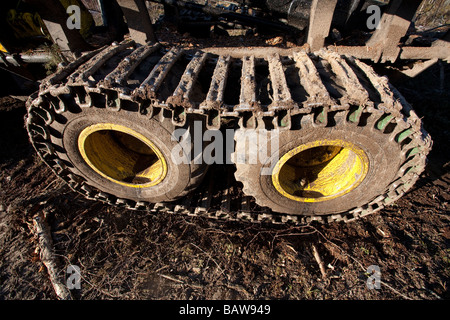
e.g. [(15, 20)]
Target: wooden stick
[(319, 261), (42, 232)]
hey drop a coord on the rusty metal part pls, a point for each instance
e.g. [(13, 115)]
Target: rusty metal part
[(156, 77), (215, 97), (126, 67), (393, 26), (82, 74), (138, 20), (182, 94), (247, 98), (54, 17), (385, 44), (310, 80), (68, 88), (281, 94), (320, 22), (434, 52)]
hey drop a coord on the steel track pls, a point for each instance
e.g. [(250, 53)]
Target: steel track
[(110, 76)]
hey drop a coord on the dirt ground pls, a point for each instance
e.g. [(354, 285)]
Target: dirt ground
[(137, 255)]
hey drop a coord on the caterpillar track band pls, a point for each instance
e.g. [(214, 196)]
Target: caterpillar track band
[(348, 143)]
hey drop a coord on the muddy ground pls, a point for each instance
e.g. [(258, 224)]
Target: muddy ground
[(137, 255)]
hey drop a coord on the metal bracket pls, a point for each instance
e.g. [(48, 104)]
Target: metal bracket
[(394, 24), (320, 22), (138, 20)]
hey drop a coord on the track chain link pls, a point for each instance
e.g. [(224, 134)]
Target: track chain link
[(75, 82)]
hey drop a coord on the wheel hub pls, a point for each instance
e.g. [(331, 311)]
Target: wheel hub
[(122, 155), (320, 171)]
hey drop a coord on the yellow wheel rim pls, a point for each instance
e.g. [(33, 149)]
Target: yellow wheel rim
[(319, 171), (122, 155)]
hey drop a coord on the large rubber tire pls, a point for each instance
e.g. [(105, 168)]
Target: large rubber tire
[(179, 178), (386, 148), (383, 155)]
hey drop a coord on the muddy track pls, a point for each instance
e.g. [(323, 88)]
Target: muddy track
[(272, 92)]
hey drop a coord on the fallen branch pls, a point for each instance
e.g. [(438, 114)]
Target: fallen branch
[(42, 232), (360, 264), (187, 282), (319, 261), (171, 278)]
